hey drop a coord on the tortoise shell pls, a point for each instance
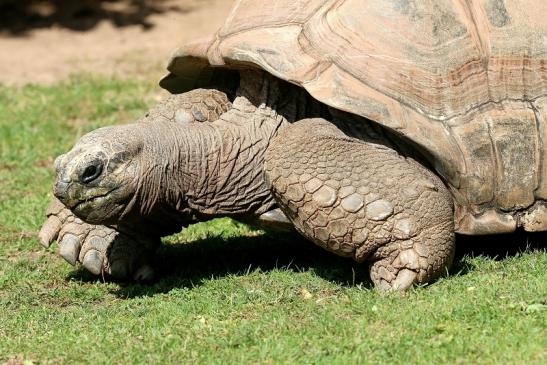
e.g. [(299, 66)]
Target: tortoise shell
[(465, 80)]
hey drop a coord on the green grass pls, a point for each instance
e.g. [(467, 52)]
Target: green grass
[(228, 294)]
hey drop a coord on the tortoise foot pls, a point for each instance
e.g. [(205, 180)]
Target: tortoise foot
[(398, 266), (100, 249)]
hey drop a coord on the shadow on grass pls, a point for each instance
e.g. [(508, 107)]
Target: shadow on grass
[(495, 247), (183, 264), (18, 17)]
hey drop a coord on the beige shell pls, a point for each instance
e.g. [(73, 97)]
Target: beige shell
[(465, 79)]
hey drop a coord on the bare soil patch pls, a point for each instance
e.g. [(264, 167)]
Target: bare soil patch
[(47, 41)]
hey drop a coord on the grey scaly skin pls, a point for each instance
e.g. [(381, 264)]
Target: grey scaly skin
[(355, 197)]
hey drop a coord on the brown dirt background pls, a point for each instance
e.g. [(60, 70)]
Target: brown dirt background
[(47, 41)]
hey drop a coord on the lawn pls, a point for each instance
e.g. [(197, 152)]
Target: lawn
[(227, 293)]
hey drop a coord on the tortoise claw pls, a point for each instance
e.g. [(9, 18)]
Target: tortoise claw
[(144, 274), (69, 248), (119, 269), (93, 262), (49, 231)]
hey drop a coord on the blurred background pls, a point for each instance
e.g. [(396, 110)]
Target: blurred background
[(45, 41)]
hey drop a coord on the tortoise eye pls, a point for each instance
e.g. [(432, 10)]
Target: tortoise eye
[(91, 173)]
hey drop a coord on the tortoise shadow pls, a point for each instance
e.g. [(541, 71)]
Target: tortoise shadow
[(187, 265), (190, 264), (495, 247)]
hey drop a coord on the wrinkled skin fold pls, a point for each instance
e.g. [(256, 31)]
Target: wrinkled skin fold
[(255, 157)]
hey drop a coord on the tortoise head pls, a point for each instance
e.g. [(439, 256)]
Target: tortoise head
[(99, 177)]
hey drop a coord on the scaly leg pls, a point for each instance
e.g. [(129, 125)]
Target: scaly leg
[(363, 200)]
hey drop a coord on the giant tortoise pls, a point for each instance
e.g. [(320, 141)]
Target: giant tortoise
[(377, 129)]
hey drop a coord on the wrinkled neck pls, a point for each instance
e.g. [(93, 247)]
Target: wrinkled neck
[(197, 171)]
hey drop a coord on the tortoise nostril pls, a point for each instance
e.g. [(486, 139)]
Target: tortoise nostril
[(91, 173)]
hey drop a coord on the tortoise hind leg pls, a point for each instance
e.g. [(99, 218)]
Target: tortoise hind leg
[(363, 200)]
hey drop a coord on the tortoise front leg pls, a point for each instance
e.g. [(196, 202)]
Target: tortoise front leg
[(363, 200)]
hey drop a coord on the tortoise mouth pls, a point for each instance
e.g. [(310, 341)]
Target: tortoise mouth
[(90, 200), (95, 206)]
